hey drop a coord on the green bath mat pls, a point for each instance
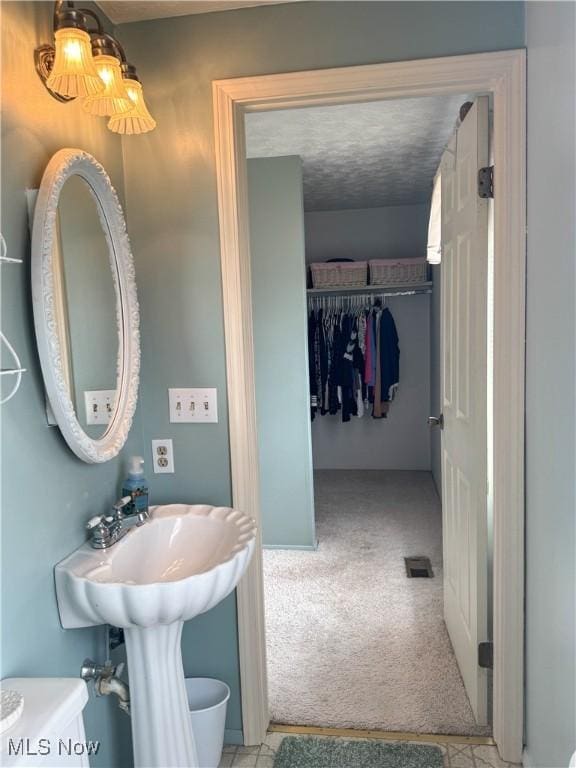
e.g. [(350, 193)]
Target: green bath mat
[(311, 752)]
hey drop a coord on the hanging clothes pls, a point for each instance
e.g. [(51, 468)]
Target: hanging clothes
[(312, 363), (387, 365), (370, 354), (321, 362), (379, 409), (389, 356), (336, 353), (353, 359), (346, 368)]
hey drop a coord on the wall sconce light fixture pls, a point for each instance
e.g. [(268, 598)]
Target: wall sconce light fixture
[(138, 119), (114, 98), (92, 64)]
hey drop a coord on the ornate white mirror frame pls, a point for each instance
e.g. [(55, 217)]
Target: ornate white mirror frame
[(63, 165)]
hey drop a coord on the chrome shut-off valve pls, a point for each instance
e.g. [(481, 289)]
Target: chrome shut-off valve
[(107, 680)]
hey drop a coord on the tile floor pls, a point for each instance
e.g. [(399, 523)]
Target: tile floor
[(455, 755)]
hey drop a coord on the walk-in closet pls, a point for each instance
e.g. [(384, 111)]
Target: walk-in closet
[(347, 336)]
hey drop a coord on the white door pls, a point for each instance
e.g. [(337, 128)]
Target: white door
[(464, 389)]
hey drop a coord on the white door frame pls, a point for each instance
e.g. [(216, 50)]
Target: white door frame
[(503, 75)]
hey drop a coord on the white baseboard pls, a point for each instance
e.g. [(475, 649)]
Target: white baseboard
[(301, 547)]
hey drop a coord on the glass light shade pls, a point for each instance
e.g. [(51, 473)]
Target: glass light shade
[(73, 72), (113, 99), (138, 119)]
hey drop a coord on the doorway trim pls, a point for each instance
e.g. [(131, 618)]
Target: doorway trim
[(501, 74)]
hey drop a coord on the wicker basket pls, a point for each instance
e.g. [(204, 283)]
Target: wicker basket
[(339, 274), (398, 271)]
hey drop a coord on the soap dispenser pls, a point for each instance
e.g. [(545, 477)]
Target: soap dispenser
[(136, 485)]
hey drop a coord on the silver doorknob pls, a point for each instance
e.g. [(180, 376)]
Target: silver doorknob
[(436, 421)]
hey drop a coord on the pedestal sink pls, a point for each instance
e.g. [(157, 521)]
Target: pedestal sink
[(180, 563)]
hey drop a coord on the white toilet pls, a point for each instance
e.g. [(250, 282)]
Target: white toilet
[(50, 730)]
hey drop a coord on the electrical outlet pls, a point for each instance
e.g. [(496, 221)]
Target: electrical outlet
[(99, 404), (193, 405), (163, 456)]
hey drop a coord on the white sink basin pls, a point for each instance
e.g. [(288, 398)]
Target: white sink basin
[(180, 563)]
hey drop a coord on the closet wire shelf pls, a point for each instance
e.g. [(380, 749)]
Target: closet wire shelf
[(373, 290), (367, 294)]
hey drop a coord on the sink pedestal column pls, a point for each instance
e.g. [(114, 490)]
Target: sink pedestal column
[(161, 726)]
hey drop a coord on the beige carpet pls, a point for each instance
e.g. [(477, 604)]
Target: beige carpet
[(352, 642)]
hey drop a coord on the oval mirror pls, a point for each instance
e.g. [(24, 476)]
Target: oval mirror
[(85, 305)]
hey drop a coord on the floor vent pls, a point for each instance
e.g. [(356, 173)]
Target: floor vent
[(418, 567)]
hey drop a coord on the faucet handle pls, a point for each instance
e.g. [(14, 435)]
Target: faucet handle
[(121, 504), (98, 531), (94, 522)]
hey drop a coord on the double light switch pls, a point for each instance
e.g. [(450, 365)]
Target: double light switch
[(99, 405)]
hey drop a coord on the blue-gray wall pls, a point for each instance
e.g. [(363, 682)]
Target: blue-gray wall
[(277, 263), (390, 232), (172, 205), (47, 493), (550, 387)]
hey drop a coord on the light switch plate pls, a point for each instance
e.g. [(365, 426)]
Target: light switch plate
[(163, 456), (193, 406), (99, 404)]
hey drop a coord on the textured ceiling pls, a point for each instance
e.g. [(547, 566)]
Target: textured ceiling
[(360, 155), (124, 11)]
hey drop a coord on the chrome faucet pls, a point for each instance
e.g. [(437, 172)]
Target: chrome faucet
[(106, 530)]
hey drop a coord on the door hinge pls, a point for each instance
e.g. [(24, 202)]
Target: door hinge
[(486, 182), (486, 655)]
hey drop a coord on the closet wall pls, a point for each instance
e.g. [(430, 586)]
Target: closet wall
[(278, 270), (371, 233), (401, 441)]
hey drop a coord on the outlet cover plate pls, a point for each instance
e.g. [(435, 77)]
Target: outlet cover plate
[(193, 406), (163, 456)]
